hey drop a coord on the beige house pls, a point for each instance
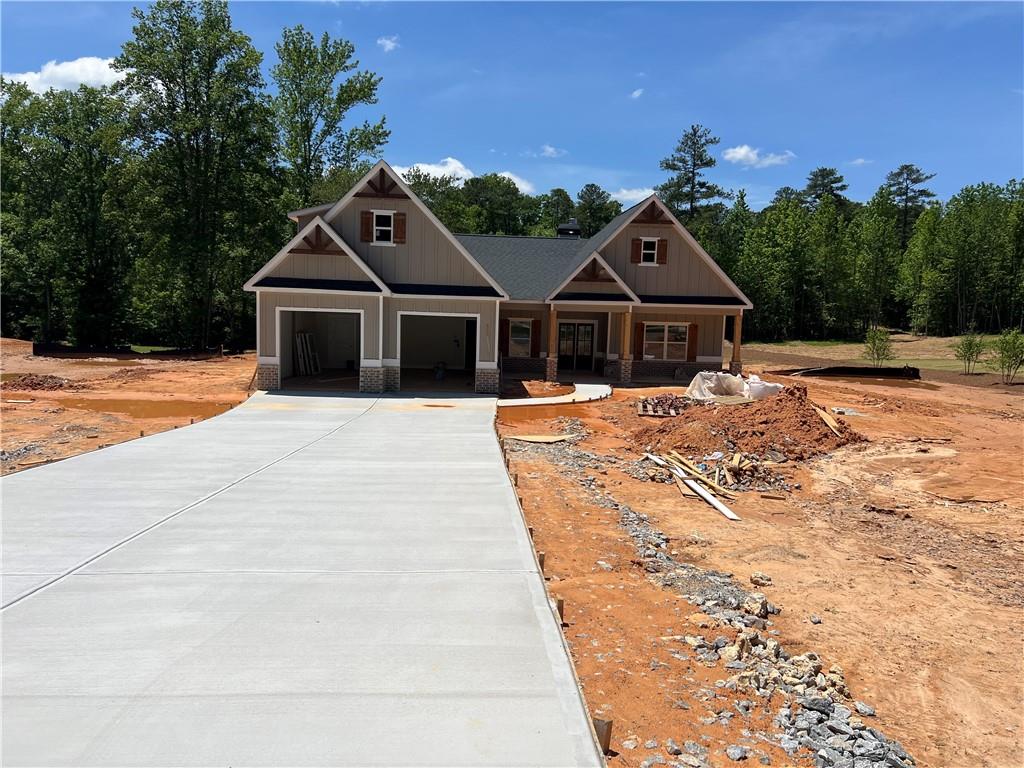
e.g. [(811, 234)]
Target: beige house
[(385, 296)]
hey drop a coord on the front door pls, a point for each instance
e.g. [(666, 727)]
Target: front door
[(576, 346)]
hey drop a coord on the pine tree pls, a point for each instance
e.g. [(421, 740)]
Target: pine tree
[(687, 190), (904, 185)]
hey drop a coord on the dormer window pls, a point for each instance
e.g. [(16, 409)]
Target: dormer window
[(649, 251), (383, 227)]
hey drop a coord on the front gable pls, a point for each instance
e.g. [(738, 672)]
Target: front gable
[(656, 257), (403, 242), (594, 281), (317, 258)]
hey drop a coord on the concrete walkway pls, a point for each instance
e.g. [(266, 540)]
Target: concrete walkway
[(305, 580), (582, 393)]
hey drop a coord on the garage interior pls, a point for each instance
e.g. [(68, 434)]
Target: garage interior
[(334, 340), (438, 352)]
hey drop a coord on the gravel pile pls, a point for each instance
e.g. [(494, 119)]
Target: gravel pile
[(28, 382)]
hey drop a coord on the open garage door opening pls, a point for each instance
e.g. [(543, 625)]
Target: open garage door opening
[(438, 352), (320, 349)]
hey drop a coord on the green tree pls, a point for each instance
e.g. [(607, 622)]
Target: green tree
[(1008, 354), (968, 349), (557, 208), (687, 190), (595, 208), (877, 244), (918, 282), (205, 201), (497, 199), (730, 234), (878, 346), (829, 273), (905, 187), (788, 194), (317, 86), (825, 182)]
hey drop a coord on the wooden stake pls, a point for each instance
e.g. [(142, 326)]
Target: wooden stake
[(560, 607), (603, 729), (540, 561), (530, 529)]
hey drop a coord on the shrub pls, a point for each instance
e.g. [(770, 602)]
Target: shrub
[(878, 346), (968, 349), (1009, 354)]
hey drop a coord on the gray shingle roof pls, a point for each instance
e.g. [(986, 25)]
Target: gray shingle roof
[(530, 268)]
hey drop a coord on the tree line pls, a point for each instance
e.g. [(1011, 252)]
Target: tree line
[(134, 213)]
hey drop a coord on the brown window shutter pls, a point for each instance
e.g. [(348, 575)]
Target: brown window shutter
[(366, 226), (399, 228), (691, 343), (534, 338), (663, 251), (638, 342), (503, 333), (634, 251)]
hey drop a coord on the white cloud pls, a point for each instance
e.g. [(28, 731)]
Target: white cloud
[(449, 166), (524, 186), (747, 155), (861, 161), (546, 150), (637, 93), (68, 75), (388, 42), (632, 196)]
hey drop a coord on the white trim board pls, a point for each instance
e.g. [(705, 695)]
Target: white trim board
[(479, 365), (339, 206), (250, 284), (607, 268)]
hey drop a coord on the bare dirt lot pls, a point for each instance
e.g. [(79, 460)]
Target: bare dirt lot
[(54, 407), (907, 547)]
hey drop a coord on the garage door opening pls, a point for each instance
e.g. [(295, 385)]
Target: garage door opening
[(320, 350), (437, 352)]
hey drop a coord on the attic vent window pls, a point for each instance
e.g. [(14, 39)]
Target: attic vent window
[(383, 227), (649, 251)]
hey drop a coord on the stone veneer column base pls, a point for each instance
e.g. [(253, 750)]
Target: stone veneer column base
[(625, 371), (392, 378), (486, 382), (268, 376), (551, 368), (735, 367), (371, 379)]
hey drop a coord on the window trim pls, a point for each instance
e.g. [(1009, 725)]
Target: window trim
[(529, 343), (665, 342), (383, 243), (643, 242)]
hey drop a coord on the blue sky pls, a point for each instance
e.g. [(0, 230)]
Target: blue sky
[(561, 94)]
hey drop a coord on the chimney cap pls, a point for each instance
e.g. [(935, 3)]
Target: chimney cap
[(569, 228)]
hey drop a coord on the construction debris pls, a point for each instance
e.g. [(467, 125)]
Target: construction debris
[(543, 438), (37, 381), (728, 474)]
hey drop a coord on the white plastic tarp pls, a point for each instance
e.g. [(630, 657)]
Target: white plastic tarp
[(708, 385)]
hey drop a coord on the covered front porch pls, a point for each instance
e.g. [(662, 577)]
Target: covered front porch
[(613, 342)]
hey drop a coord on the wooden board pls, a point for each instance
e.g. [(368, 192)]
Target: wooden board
[(829, 421)]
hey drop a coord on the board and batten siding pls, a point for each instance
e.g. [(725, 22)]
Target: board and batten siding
[(269, 301), (319, 267), (485, 333), (427, 256), (710, 328), (684, 274)]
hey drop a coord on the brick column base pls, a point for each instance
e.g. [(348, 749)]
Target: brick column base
[(392, 378), (625, 371), (735, 367), (551, 369), (268, 376), (486, 381), (371, 379)]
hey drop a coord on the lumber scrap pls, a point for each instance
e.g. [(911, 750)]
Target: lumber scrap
[(684, 489), (829, 421), (694, 486), (690, 467)]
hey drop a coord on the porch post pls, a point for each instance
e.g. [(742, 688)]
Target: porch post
[(626, 358), (551, 362), (736, 365)]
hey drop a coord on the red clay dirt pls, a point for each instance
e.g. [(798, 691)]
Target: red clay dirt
[(908, 545), (54, 407)]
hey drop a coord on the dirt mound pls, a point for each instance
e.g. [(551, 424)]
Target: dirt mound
[(786, 423), (37, 381)]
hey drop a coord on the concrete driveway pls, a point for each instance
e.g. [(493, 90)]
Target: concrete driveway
[(305, 580)]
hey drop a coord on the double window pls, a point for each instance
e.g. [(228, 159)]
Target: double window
[(384, 227), (519, 337), (649, 251), (665, 341)]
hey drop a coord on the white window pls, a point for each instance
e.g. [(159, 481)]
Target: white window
[(649, 251), (519, 337), (665, 341), (384, 227)]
